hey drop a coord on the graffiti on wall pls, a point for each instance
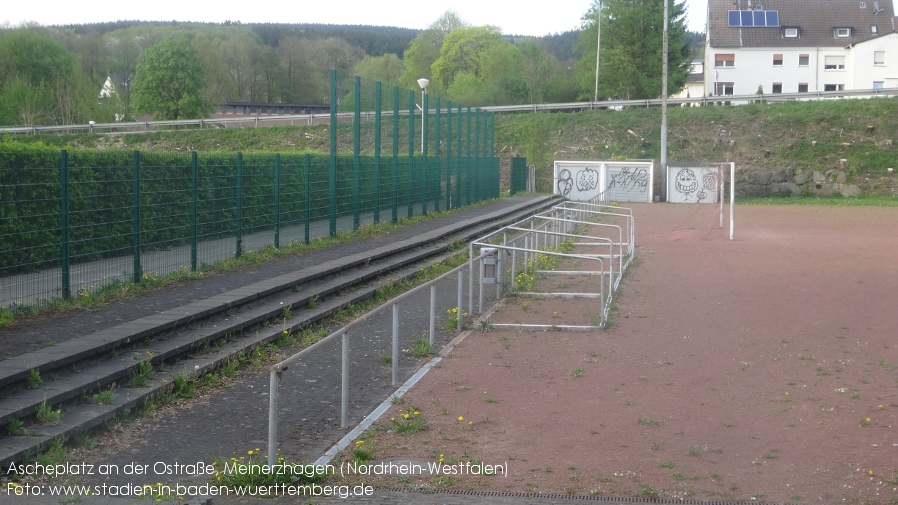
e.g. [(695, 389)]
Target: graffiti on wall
[(693, 184), (581, 181), (629, 179)]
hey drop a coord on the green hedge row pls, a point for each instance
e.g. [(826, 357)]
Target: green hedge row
[(101, 206)]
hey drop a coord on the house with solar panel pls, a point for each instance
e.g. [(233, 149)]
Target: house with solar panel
[(793, 46)]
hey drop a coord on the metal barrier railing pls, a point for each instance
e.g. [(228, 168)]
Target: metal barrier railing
[(393, 305), (601, 235)]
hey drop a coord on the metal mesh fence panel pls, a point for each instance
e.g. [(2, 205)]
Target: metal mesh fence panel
[(72, 224)]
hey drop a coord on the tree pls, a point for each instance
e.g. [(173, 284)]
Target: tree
[(40, 82), (387, 69), (169, 82), (631, 61), (425, 49), (463, 52)]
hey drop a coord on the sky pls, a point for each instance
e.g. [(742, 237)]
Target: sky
[(539, 18)]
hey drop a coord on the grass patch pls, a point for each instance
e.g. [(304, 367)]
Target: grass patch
[(409, 421), (421, 348), (47, 416)]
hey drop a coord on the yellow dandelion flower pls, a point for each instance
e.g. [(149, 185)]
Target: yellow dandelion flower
[(470, 422), (461, 418), (868, 419), (416, 412), (249, 452), (359, 442)]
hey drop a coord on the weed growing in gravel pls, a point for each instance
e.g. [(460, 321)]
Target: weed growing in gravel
[(33, 380), (451, 323), (47, 416), (140, 377), (16, 428), (577, 372), (648, 421), (409, 421), (421, 348), (252, 472), (106, 397)]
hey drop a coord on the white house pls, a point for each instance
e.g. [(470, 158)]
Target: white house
[(695, 81), (790, 46)]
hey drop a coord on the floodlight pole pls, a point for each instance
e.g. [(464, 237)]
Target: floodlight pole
[(423, 83), (664, 109), (595, 97)]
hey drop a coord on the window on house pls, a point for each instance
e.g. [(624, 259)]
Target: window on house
[(841, 33), (790, 33), (834, 62), (873, 29), (803, 60), (802, 87), (723, 88), (877, 84), (777, 60), (724, 60), (777, 87), (879, 57), (833, 87)]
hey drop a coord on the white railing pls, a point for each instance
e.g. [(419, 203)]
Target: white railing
[(257, 121)]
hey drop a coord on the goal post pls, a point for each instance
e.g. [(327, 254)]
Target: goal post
[(703, 183)]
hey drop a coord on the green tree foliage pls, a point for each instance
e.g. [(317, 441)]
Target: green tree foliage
[(169, 82), (464, 51), (40, 82), (387, 69), (425, 49), (631, 61)]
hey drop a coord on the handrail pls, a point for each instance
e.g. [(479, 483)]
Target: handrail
[(145, 126)]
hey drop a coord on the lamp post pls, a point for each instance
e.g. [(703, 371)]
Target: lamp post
[(595, 97), (423, 83)]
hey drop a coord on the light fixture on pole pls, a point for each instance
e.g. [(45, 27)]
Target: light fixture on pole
[(423, 83)]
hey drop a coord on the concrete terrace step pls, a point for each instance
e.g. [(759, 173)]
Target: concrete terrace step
[(185, 329)]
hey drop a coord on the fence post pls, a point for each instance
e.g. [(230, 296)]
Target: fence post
[(478, 189), (458, 158), (333, 155), (395, 154), (425, 113), (448, 155), (395, 375), (277, 200), (436, 144), (433, 312), (239, 250), (411, 152), (356, 151), (64, 224), (308, 166), (135, 217), (344, 383), (458, 307), (468, 164), (274, 385), (194, 197), (378, 99)]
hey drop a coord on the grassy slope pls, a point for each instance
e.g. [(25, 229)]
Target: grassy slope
[(758, 137)]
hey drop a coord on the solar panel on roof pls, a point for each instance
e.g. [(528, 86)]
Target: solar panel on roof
[(734, 18), (756, 18)]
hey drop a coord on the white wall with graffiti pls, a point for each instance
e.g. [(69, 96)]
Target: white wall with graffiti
[(624, 181), (694, 183)]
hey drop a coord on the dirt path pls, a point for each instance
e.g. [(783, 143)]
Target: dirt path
[(764, 368)]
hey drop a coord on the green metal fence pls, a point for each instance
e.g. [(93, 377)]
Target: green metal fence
[(74, 222)]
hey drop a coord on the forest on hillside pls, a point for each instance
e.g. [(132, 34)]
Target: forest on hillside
[(178, 70)]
